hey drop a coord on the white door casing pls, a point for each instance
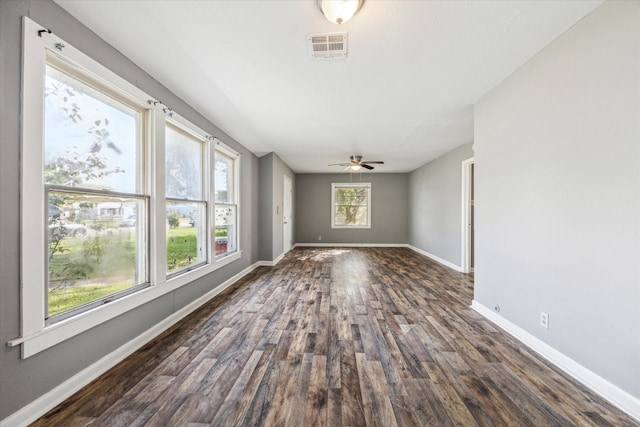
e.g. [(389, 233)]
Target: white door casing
[(467, 215), (287, 223)]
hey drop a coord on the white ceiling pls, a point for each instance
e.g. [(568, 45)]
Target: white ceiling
[(404, 94)]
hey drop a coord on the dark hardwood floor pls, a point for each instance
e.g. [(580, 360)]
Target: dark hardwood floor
[(338, 337)]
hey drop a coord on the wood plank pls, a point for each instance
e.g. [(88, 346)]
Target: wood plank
[(337, 337), (317, 396)]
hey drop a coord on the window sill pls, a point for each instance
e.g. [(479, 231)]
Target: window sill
[(65, 329)]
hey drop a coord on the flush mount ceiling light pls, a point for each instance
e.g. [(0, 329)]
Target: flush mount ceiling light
[(339, 11)]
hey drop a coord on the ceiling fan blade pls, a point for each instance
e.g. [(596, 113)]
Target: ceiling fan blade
[(356, 163)]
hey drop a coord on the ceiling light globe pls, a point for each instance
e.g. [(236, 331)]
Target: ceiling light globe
[(339, 11), (355, 167)]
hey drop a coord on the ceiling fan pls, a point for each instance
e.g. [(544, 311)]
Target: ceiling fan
[(357, 163)]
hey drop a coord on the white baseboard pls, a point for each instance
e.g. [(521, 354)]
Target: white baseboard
[(350, 245), (51, 399), (381, 245), (270, 263), (436, 258), (618, 397)]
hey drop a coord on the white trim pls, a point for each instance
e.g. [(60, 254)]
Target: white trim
[(35, 336), (205, 230), (220, 145), (287, 217), (225, 150), (157, 204), (65, 329), (618, 397), (54, 397), (32, 209), (436, 258), (271, 263), (37, 42), (350, 245), (380, 245), (466, 215), (335, 185)]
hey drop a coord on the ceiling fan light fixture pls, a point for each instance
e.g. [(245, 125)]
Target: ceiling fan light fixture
[(339, 11), (356, 164)]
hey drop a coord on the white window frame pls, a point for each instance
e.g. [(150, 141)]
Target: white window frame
[(35, 334), (195, 132), (140, 192), (235, 156), (334, 187)]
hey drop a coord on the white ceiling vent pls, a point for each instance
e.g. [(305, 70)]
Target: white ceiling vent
[(327, 45)]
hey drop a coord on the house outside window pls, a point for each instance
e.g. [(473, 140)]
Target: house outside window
[(93, 151), (105, 168), (351, 205)]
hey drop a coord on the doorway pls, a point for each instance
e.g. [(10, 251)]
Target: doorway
[(468, 215), (287, 223)]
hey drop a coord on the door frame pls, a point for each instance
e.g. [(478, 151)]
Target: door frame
[(287, 222), (466, 215)]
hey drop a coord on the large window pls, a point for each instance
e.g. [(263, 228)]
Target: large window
[(186, 205), (93, 151), (351, 205), (226, 210), (120, 197)]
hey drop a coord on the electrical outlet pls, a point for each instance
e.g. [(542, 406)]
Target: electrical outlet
[(544, 320), (319, 237)]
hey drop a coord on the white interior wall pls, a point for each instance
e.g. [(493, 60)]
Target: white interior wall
[(558, 195)]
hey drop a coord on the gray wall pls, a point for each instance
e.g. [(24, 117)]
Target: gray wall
[(389, 201), (557, 148), (22, 381), (435, 205), (272, 172)]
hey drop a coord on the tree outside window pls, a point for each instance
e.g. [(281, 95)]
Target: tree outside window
[(90, 169), (186, 207), (351, 205)]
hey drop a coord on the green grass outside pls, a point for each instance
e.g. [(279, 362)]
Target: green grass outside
[(61, 300), (182, 248), (80, 263), (94, 257)]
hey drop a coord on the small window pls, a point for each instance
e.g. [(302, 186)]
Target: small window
[(351, 205), (226, 209)]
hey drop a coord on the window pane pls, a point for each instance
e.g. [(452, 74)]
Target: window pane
[(183, 165), (91, 255), (351, 196), (351, 206), (225, 229), (224, 178), (186, 241), (351, 215), (91, 139)]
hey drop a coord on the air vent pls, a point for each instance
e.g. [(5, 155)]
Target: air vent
[(328, 45)]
